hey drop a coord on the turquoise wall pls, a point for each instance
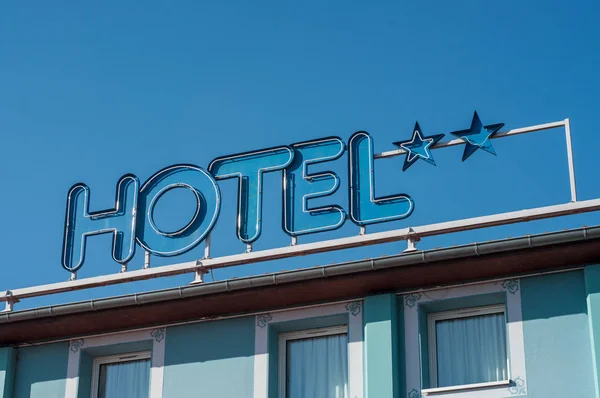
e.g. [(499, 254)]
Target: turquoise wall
[(215, 359), (558, 352), (401, 346), (592, 289), (41, 371), (210, 359), (8, 357)]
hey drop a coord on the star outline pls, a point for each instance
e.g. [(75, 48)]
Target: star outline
[(412, 154)]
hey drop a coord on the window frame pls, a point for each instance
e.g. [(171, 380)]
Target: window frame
[(300, 335), (111, 359), (433, 317)]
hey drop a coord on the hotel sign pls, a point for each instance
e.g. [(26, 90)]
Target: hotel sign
[(131, 221)]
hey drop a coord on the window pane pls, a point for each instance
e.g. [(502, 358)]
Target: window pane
[(471, 350), (125, 379), (318, 367)]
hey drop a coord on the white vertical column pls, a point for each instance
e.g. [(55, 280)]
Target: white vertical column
[(570, 160)]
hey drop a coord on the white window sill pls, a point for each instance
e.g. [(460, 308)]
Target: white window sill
[(440, 390)]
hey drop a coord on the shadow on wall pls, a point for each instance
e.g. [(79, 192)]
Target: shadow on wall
[(554, 295), (41, 371), (212, 359)]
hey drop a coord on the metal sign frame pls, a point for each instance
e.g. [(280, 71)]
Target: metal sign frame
[(410, 234)]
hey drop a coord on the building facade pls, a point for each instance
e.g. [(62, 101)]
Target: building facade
[(512, 318)]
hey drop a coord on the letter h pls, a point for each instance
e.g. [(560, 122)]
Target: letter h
[(80, 223)]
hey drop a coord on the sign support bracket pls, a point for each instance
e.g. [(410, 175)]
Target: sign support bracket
[(10, 301), (411, 241), (199, 273), (570, 160)]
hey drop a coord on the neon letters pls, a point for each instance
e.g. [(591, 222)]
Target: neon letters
[(132, 218)]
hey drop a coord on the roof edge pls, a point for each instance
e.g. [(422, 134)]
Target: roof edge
[(326, 271)]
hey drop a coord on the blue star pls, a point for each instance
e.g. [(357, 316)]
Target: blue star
[(418, 147), (478, 136)]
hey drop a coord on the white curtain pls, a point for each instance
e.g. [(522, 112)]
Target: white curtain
[(471, 350), (318, 367), (125, 380)]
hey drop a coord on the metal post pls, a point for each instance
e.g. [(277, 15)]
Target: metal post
[(249, 248), (8, 306), (146, 259), (411, 245), (207, 246), (294, 240), (124, 268), (10, 301), (199, 275), (570, 159), (363, 230), (73, 276), (411, 241)]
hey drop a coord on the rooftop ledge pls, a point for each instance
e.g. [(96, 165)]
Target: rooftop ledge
[(526, 255)]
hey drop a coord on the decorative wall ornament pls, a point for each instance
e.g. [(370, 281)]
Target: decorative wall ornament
[(517, 387), (412, 299), (263, 319), (354, 307), (414, 393), (418, 147), (158, 334), (511, 285), (478, 136), (75, 345)]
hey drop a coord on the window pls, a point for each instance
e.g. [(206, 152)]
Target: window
[(424, 310), (468, 347), (314, 363), (121, 376), (273, 331)]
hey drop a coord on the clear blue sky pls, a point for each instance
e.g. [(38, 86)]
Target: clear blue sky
[(91, 92)]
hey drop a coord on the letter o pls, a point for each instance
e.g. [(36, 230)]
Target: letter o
[(208, 204)]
